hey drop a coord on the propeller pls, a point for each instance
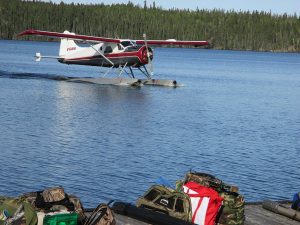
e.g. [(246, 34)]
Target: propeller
[(148, 55)]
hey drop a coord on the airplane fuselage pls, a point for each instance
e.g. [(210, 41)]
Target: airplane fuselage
[(106, 55)]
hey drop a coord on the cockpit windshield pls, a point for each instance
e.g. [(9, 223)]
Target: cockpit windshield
[(128, 43)]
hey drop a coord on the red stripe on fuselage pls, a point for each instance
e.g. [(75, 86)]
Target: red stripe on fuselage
[(109, 56)]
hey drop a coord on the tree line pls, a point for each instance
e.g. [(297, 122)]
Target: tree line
[(244, 30)]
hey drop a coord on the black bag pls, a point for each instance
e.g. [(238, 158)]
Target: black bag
[(102, 215)]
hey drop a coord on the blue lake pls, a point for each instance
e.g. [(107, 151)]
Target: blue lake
[(237, 117)]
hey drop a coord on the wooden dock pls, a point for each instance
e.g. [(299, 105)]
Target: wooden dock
[(254, 212), (257, 215)]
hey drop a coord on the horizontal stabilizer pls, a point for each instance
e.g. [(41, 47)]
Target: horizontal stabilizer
[(38, 57)]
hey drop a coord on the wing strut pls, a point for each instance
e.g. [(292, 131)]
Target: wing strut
[(145, 72), (123, 68), (101, 54), (131, 72)]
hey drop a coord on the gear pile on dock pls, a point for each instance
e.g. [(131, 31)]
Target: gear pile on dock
[(198, 198)]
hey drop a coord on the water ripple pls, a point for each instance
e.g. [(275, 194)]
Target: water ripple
[(237, 119)]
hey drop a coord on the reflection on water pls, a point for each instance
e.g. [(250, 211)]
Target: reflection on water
[(236, 117)]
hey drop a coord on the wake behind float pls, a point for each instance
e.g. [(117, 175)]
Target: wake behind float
[(121, 81)]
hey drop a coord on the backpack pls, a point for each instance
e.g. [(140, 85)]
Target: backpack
[(211, 181), (48, 202), (102, 215), (54, 200), (205, 203), (296, 202), (165, 200), (232, 211), (53, 194)]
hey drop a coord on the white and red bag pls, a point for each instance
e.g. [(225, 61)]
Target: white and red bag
[(205, 201)]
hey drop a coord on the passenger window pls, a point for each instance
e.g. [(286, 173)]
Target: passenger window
[(108, 49)]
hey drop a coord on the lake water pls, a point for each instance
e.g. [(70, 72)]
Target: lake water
[(237, 117)]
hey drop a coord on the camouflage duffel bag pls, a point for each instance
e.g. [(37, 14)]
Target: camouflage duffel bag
[(16, 211), (168, 201), (54, 199), (210, 181), (232, 211)]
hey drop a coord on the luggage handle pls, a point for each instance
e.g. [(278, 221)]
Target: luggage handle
[(164, 202)]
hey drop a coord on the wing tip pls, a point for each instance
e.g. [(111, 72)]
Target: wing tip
[(27, 32)]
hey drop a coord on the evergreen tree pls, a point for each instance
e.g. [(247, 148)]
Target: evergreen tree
[(244, 30)]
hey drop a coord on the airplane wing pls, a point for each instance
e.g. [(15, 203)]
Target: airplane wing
[(172, 42), (110, 40), (68, 35)]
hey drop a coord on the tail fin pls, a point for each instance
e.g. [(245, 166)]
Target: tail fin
[(67, 46)]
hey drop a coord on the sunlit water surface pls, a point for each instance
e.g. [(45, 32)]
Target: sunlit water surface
[(237, 117)]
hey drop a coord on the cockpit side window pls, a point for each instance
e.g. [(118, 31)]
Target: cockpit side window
[(108, 49)]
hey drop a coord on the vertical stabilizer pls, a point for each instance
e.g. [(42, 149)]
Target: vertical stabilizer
[(67, 46)]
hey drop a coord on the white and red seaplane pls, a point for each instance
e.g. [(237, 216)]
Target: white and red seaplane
[(124, 54)]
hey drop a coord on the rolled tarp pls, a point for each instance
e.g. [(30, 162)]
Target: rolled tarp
[(282, 210)]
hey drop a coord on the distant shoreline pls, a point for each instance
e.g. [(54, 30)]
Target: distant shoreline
[(225, 30), (206, 48)]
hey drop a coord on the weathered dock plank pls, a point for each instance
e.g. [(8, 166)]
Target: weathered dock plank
[(257, 215), (254, 212), (125, 220)]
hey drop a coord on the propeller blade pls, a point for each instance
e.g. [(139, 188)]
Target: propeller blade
[(148, 55)]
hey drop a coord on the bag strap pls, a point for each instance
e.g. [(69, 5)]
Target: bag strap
[(100, 212), (94, 217)]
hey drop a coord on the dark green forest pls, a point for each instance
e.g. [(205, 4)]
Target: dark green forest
[(259, 31)]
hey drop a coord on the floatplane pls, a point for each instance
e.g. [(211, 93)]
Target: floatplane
[(124, 54)]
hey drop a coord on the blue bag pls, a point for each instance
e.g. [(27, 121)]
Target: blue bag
[(296, 202)]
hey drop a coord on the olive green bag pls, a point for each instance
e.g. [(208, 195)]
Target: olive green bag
[(168, 201), (17, 212), (55, 199)]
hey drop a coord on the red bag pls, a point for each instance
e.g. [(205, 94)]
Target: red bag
[(205, 201)]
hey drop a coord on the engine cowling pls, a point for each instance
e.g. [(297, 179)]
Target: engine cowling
[(144, 55)]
